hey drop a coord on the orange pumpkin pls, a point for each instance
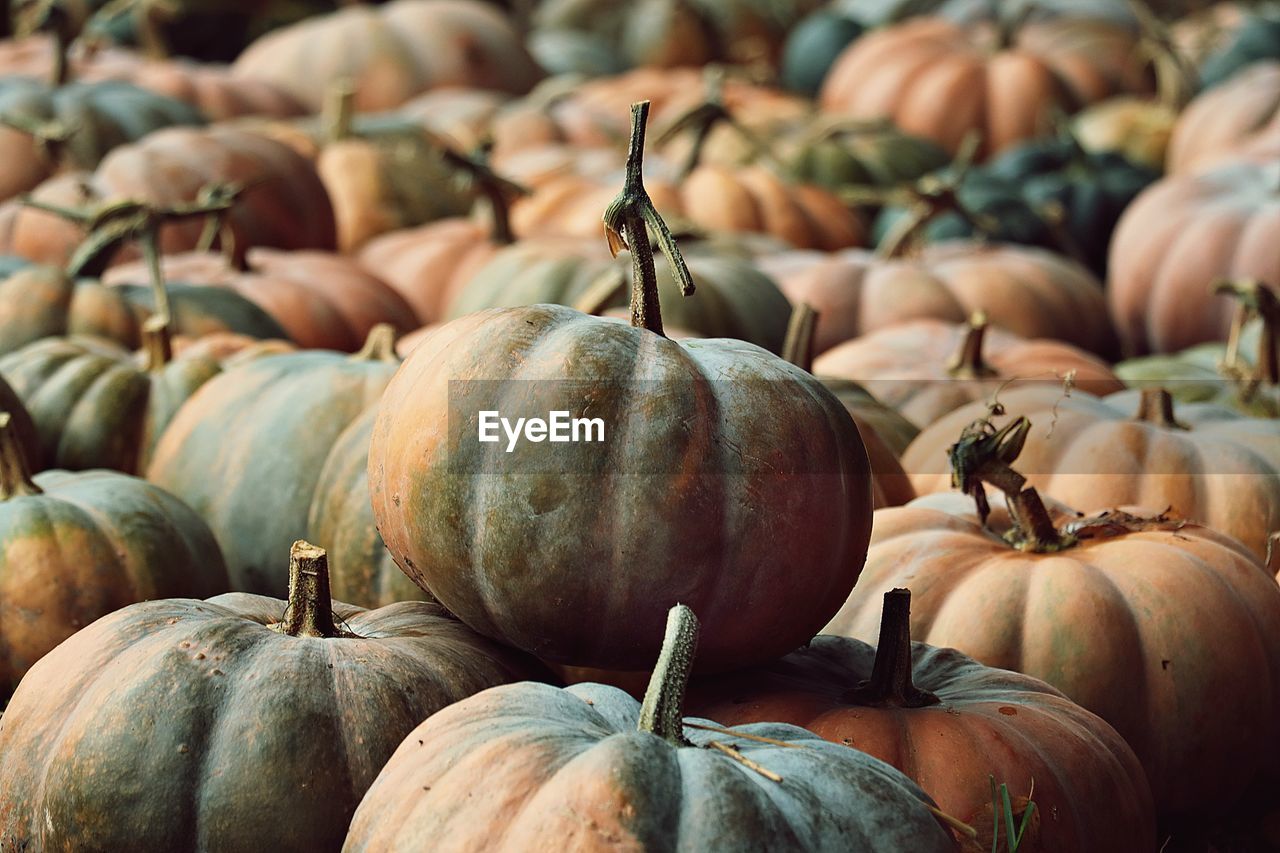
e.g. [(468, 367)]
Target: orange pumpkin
[(1206, 462), (1031, 292), (940, 80), (1174, 243), (1235, 118), (927, 368), (1164, 628), (951, 724), (393, 52)]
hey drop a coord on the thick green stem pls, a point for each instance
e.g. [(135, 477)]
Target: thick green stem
[(967, 363), (1156, 407), (379, 345), (891, 684), (310, 611), (15, 474), (625, 222), (797, 347), (662, 712)]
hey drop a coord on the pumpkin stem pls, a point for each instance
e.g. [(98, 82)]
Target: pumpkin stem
[(1033, 529), (50, 136), (379, 345), (967, 363), (1175, 78), (310, 610), (624, 227), (1256, 300), (52, 17), (1273, 553), (797, 347), (934, 195), (983, 454), (157, 341), (662, 712), (497, 190), (890, 685), (15, 473), (703, 118), (1155, 406), (338, 112)]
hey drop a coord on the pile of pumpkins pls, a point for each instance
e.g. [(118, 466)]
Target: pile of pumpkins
[(937, 503)]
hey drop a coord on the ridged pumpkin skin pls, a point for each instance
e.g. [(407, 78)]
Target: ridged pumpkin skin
[(1031, 292), (192, 725), (1167, 634), (1160, 285), (938, 80), (393, 53), (98, 406), (728, 480), (893, 430), (87, 545), (102, 116), (321, 300), (341, 521), (247, 451), (1223, 472), (568, 770), (908, 367), (733, 298), (285, 205), (20, 424), (1220, 122), (1088, 787)]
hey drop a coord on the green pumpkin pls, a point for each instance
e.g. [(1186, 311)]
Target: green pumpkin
[(839, 154), (1256, 39), (732, 299), (813, 45), (1050, 193), (97, 405), (87, 120), (248, 450)]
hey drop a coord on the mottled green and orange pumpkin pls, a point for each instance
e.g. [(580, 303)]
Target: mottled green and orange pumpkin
[(75, 547), (590, 768), (726, 478), (235, 723)]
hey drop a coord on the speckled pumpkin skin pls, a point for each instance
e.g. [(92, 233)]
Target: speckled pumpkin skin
[(567, 770), (746, 498), (94, 406), (191, 725), (361, 569), (1168, 635), (246, 451), (1088, 786), (90, 544)]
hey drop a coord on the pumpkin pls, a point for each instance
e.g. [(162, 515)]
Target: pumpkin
[(590, 767), (40, 302), (812, 47), (1207, 463), (939, 80), (393, 52), (95, 406), (266, 427), (565, 514), (733, 299), (1031, 292), (281, 203), (1113, 610), (341, 517), (1224, 121), (836, 153), (889, 483), (20, 428), (78, 546), (952, 724), (1160, 284), (231, 723), (321, 300), (1253, 39), (1243, 374), (927, 368), (48, 128)]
